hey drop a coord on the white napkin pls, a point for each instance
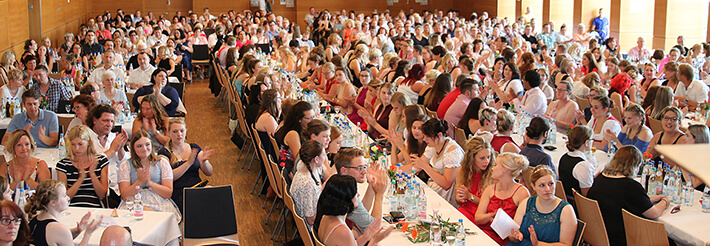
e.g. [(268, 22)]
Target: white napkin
[(503, 224)]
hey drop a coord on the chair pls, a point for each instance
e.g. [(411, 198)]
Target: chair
[(580, 231), (217, 227), (200, 55), (616, 113), (460, 136), (56, 76), (279, 190), (560, 191), (431, 113), (640, 231), (316, 241), (582, 102), (64, 122), (591, 215), (303, 230), (180, 88), (656, 125)]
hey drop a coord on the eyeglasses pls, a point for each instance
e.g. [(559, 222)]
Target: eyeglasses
[(6, 221), (359, 169), (670, 118)]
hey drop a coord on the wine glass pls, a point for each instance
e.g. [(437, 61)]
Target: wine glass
[(337, 110), (68, 108), (130, 204)]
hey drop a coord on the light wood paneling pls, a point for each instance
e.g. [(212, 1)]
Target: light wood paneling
[(680, 17), (433, 5), (14, 25), (537, 9), (590, 10), (506, 8), (128, 6), (636, 19), (561, 12)]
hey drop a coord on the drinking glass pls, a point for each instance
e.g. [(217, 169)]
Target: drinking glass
[(130, 204)]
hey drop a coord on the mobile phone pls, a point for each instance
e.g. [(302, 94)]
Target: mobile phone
[(117, 129), (550, 147), (396, 215)]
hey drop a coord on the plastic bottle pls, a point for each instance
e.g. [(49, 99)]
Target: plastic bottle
[(460, 234), (62, 146), (611, 150), (552, 135), (138, 207), (21, 197), (651, 187), (678, 188), (668, 184), (411, 203), (659, 180), (644, 175), (18, 108), (435, 229), (421, 203), (688, 192), (11, 108), (392, 198), (706, 200)]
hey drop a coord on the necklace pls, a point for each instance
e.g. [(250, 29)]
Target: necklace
[(438, 153)]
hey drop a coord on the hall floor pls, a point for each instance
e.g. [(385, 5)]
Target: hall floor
[(208, 126)]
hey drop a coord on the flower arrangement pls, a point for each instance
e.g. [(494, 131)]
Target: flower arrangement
[(419, 233), (569, 129), (705, 106)]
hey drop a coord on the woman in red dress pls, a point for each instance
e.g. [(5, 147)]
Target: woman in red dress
[(474, 175)]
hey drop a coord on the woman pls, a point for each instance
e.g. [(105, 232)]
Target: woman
[(7, 64), (487, 116), (615, 189), (469, 121), (562, 110), (148, 175), (165, 61), (153, 120), (288, 136), (601, 120), (249, 68), (336, 142), (80, 106), (413, 143), (695, 134), (110, 95), (612, 48), (671, 133), (185, 159), (662, 99), (429, 78), (267, 121), (649, 79), (14, 88), (307, 184), (612, 70), (83, 165), (380, 115), (288, 59), (357, 63), (334, 47), (44, 58), (502, 140), (506, 194), (367, 97), (544, 218), (375, 58), (338, 198), (24, 171), (441, 158), (527, 62), (5, 188), (495, 75), (412, 84), (167, 96), (17, 234), (450, 65), (441, 87), (589, 64), (44, 208), (474, 176), (510, 86), (577, 166), (635, 132)]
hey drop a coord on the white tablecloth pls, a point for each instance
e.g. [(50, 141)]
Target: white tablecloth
[(690, 225), (156, 228), (397, 237)]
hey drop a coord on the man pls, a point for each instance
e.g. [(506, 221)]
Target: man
[(639, 51), (90, 46), (469, 90), (601, 25), (206, 16), (352, 162), (141, 47), (689, 91), (101, 121), (157, 39), (116, 235), (450, 98), (41, 124), (92, 89), (141, 76), (272, 31), (536, 135), (530, 37), (117, 57), (680, 44), (49, 88), (546, 37), (310, 16), (108, 61), (534, 101)]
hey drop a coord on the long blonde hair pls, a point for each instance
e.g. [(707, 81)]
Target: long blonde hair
[(173, 157), (468, 167), (84, 133)]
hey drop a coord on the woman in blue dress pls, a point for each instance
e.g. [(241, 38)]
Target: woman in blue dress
[(544, 217), (635, 132)]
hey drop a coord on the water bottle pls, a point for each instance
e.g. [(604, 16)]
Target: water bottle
[(552, 135), (667, 184), (18, 108), (460, 234), (644, 176), (611, 150), (659, 180), (435, 229), (392, 198), (62, 146), (138, 207), (688, 192), (651, 187), (411, 203), (21, 197), (422, 203), (678, 188), (706, 200)]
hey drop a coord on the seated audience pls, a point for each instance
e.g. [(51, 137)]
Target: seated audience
[(469, 91), (43, 210), (534, 101), (14, 87), (576, 168), (601, 120), (535, 135), (81, 105), (562, 110), (469, 121), (84, 170), (167, 95), (141, 75), (635, 132), (50, 89), (23, 171), (307, 183), (441, 159), (153, 120), (671, 134), (474, 175), (288, 136), (111, 95), (502, 140), (41, 124)]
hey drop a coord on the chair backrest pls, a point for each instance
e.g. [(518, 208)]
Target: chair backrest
[(316, 241), (265, 161), (580, 231), (560, 191), (240, 117), (460, 136), (180, 88), (616, 112), (656, 125), (200, 52), (431, 113), (582, 102), (277, 179), (64, 123), (220, 221), (640, 231), (277, 150), (303, 230), (589, 212)]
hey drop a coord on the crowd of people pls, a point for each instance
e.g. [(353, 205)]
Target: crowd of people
[(410, 78)]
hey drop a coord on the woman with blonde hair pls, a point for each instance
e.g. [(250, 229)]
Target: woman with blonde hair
[(506, 194), (663, 99), (375, 61), (429, 79), (24, 171), (334, 47), (449, 64), (7, 63), (165, 61), (474, 175), (288, 59), (148, 175), (83, 164), (44, 208)]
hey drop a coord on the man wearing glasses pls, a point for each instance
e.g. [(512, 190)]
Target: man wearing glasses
[(352, 162)]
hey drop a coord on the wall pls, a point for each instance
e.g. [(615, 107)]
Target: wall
[(130, 6), (636, 19), (561, 12), (13, 25), (60, 17), (682, 17)]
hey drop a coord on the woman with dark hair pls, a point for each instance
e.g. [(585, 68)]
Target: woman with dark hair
[(601, 120), (412, 139), (412, 84), (167, 96), (576, 169), (671, 133), (15, 231), (469, 122), (307, 183), (647, 103), (510, 86), (152, 119), (474, 176), (338, 198), (267, 121), (441, 158), (589, 64), (441, 87), (288, 136), (615, 189)]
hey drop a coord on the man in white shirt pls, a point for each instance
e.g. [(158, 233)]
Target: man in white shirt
[(98, 73), (534, 101), (141, 76), (469, 90), (101, 121), (157, 39), (639, 51), (206, 16), (689, 91)]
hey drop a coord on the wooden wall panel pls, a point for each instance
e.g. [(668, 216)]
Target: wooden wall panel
[(219, 6), (590, 10), (14, 25), (537, 9), (506, 8), (561, 12), (636, 19), (433, 5), (128, 6), (60, 16), (688, 18), (467, 7)]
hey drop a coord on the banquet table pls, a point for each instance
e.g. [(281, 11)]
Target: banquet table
[(156, 228), (690, 225)]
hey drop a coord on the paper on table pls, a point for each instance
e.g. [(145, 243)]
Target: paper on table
[(503, 224)]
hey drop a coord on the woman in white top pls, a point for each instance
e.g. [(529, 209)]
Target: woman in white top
[(441, 159), (562, 37), (110, 95), (510, 86), (601, 120), (563, 109), (412, 84), (14, 88), (487, 116)]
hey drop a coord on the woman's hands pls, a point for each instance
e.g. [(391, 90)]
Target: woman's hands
[(205, 154), (419, 163), (149, 125), (462, 194), (93, 163), (517, 235), (143, 174)]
